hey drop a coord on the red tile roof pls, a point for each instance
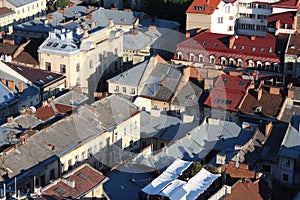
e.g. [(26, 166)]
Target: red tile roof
[(284, 18), (63, 108), (245, 190), (270, 103), (227, 93), (203, 6), (218, 45), (5, 11), (286, 4), (45, 112), (86, 178)]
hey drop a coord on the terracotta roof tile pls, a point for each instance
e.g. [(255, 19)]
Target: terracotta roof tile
[(245, 190), (64, 109), (86, 178), (284, 18), (286, 4), (203, 6), (45, 112), (270, 103), (294, 44), (5, 11)]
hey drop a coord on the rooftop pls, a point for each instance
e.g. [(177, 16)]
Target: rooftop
[(40, 78), (85, 179), (5, 11), (67, 134), (290, 146), (72, 98), (203, 6), (294, 44), (267, 104), (19, 3), (136, 40), (284, 18), (228, 46)]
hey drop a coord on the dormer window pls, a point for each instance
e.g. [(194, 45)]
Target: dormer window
[(179, 55), (254, 49), (201, 59), (192, 57)]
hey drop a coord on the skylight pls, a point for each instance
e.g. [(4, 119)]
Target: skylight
[(49, 44), (19, 69), (242, 83), (60, 191), (223, 101), (225, 80), (55, 44), (204, 43), (243, 48), (254, 49), (262, 50), (83, 176), (216, 44), (64, 46)]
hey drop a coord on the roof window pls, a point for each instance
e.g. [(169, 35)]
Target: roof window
[(49, 44), (83, 176), (254, 49), (216, 44), (63, 46), (60, 191), (55, 44)]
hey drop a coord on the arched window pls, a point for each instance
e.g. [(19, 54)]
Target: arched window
[(231, 62), (179, 55), (267, 65), (239, 62), (223, 61), (251, 63), (212, 59), (259, 64), (276, 67), (192, 57), (201, 58)]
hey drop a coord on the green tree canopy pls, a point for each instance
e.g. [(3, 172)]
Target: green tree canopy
[(62, 3)]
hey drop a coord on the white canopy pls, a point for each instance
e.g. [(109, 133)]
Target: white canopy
[(165, 179), (195, 186)]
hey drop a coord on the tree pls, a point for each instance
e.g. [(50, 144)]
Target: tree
[(62, 3)]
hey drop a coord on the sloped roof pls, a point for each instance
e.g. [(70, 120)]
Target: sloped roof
[(203, 6), (284, 18)]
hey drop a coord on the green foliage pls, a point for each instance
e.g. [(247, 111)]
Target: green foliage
[(62, 3), (196, 167)]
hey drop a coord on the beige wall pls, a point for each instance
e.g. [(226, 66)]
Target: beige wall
[(7, 19), (122, 88), (221, 114), (27, 10), (195, 21)]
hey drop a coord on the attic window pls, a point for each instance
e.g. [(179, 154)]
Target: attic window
[(242, 83), (63, 46), (49, 44), (216, 44), (234, 47), (55, 44), (270, 50), (243, 48), (254, 49), (197, 7), (204, 43), (19, 69), (83, 176), (60, 191), (262, 50), (223, 101), (225, 80), (211, 8)]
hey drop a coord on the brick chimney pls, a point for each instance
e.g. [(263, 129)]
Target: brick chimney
[(290, 93), (232, 41), (10, 120), (44, 104), (187, 34), (11, 84), (21, 87), (151, 28)]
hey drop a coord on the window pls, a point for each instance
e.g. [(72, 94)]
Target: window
[(91, 64), (83, 155), (240, 63), (220, 20), (90, 152), (212, 60), (124, 131), (200, 58), (192, 57), (179, 55), (83, 176), (285, 177), (162, 145), (266, 168), (117, 89), (227, 9), (230, 28), (286, 162), (48, 66), (132, 91), (52, 174), (77, 67), (62, 68), (116, 137), (60, 191), (124, 90), (135, 125), (230, 119)]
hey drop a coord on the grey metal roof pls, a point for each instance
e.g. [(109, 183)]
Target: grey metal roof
[(132, 76), (36, 26), (22, 122), (68, 133), (136, 41), (6, 95), (198, 143), (72, 98), (290, 146), (102, 16), (19, 3)]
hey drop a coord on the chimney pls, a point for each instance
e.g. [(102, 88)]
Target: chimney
[(91, 7), (151, 28), (3, 80), (244, 166), (268, 128), (21, 87), (187, 34), (258, 93), (253, 37), (10, 120), (290, 94), (23, 111), (44, 104), (274, 90), (69, 182), (11, 84), (127, 10), (232, 41), (72, 4), (114, 8)]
